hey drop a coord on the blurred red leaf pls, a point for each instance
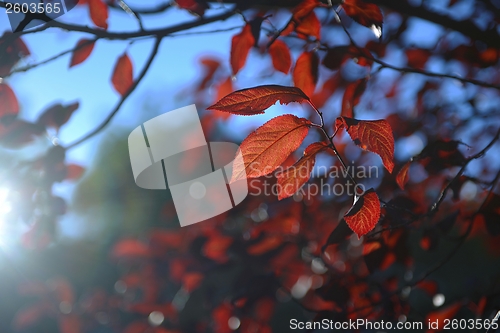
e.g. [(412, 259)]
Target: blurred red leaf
[(130, 248), (241, 44), (352, 96), (267, 244), (491, 212), (305, 73), (99, 13), (15, 133), (123, 76), (327, 90), (83, 50), (74, 172), (309, 26), (57, 115), (8, 101), (269, 146), (440, 315), (364, 214), (211, 66), (440, 154), (196, 7), (30, 315), (280, 56), (257, 99), (292, 179), (70, 323), (372, 135), (403, 176), (417, 58), (216, 247), (191, 281), (366, 14)]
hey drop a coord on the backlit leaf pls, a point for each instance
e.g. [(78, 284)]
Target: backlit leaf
[(257, 99), (305, 73), (83, 50), (269, 146), (196, 7), (364, 214), (309, 26), (403, 176), (99, 13), (372, 135), (292, 179), (280, 56), (240, 47), (123, 76)]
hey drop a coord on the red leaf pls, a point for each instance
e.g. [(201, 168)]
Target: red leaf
[(83, 50), (123, 77), (309, 26), (366, 14), (352, 96), (417, 58), (269, 146), (57, 115), (440, 315), (372, 135), (8, 101), (304, 8), (364, 214), (280, 55), (292, 179), (99, 13), (224, 89), (211, 66), (257, 99), (15, 133), (305, 73), (403, 176), (74, 172), (240, 47), (130, 248), (267, 244), (327, 90), (193, 6)]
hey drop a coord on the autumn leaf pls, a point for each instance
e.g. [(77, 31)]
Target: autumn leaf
[(8, 101), (366, 14), (268, 147), (352, 96), (57, 115), (364, 214), (123, 78), (196, 7), (309, 26), (224, 89), (99, 13), (240, 47), (83, 50), (304, 8), (403, 176), (255, 100), (305, 73), (372, 135), (292, 179), (280, 56), (12, 49)]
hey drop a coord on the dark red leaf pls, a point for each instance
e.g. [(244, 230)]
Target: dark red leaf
[(417, 58), (196, 7), (305, 73), (339, 234), (240, 47), (12, 49), (309, 26), (74, 171), (83, 50), (372, 135), (269, 146), (257, 99), (123, 76), (15, 133), (364, 214), (439, 155), (491, 213), (57, 115), (366, 14), (8, 101)]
